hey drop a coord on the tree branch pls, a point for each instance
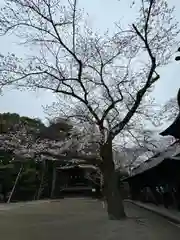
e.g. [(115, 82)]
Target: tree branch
[(74, 26), (109, 108), (150, 80)]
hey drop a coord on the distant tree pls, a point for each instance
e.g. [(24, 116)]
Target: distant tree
[(57, 129), (17, 136), (103, 79)]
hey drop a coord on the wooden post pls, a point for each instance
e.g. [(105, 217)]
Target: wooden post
[(53, 180), (153, 194), (15, 184), (174, 197), (42, 180)]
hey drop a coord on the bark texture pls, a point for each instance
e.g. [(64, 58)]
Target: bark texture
[(112, 193)]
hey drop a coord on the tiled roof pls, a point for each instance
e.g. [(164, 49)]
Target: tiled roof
[(171, 152)]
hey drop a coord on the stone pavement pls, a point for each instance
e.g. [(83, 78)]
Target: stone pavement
[(82, 219), (170, 214)]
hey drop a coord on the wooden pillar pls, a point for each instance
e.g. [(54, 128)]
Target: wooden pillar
[(134, 189), (178, 195), (174, 197), (41, 180), (53, 186), (154, 194), (160, 194)]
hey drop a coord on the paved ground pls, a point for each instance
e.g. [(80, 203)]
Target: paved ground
[(82, 219), (171, 214)]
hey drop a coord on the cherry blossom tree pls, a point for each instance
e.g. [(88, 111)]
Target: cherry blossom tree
[(169, 111), (105, 77), (25, 142)]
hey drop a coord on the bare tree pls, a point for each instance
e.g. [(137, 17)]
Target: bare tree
[(104, 79)]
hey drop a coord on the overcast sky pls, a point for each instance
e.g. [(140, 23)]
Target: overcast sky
[(102, 15)]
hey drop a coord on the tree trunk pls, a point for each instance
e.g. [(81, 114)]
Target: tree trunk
[(112, 193)]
